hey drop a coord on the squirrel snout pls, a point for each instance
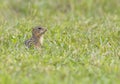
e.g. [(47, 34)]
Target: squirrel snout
[(45, 29)]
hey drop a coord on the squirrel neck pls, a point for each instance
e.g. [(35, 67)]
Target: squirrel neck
[(38, 39)]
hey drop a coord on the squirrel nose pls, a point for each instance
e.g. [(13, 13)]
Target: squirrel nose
[(45, 29)]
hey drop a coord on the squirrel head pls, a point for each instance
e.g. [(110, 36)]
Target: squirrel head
[(38, 31)]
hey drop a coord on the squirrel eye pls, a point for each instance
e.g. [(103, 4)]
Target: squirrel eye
[(39, 28)]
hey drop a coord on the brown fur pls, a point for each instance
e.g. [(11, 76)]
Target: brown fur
[(37, 37)]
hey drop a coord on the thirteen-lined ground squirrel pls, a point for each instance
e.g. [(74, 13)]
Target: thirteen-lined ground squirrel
[(37, 37)]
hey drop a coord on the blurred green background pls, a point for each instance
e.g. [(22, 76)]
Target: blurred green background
[(81, 46)]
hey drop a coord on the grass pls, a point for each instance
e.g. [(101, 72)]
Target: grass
[(81, 46)]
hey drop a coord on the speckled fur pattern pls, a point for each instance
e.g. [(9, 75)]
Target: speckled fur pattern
[(37, 37)]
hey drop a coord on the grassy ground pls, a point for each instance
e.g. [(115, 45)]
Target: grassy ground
[(81, 46)]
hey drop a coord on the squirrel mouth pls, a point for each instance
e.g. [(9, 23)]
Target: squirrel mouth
[(44, 31)]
